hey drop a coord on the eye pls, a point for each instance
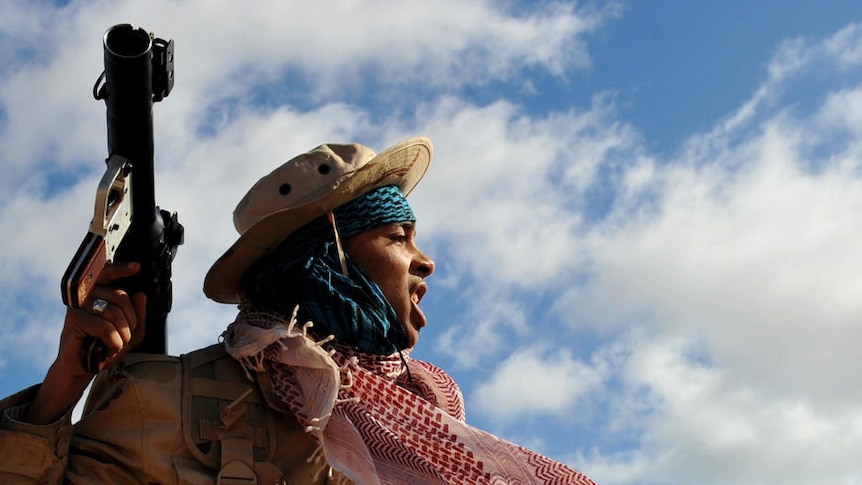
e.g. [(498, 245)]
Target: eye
[(399, 237)]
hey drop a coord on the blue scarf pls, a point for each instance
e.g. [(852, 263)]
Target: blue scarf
[(305, 270)]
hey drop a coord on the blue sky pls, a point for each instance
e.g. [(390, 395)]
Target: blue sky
[(645, 215)]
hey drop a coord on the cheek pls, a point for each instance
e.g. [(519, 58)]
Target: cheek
[(391, 274), (387, 264), (388, 273), (375, 262)]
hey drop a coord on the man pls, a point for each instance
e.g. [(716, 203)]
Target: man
[(313, 383)]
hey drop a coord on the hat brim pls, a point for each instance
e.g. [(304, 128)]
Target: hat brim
[(402, 165)]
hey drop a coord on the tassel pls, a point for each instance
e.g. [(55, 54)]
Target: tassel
[(341, 257)]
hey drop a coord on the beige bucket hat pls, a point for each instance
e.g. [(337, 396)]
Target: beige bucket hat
[(303, 189)]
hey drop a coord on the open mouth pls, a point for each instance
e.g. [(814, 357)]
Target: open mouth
[(418, 293), (416, 297)]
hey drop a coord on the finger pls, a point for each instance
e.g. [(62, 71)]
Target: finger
[(122, 325), (137, 330), (82, 325), (111, 335), (119, 312), (116, 299), (115, 271)]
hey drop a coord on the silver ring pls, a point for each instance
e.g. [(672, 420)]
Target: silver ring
[(99, 306)]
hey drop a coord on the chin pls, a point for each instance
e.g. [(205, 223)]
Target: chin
[(412, 339)]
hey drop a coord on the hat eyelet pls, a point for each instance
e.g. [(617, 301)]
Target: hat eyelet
[(324, 168), (284, 189)]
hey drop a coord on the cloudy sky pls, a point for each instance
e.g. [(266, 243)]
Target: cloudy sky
[(646, 216)]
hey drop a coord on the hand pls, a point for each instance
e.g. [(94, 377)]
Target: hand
[(116, 326), (120, 327)]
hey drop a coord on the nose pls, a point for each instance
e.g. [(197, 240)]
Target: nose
[(422, 264)]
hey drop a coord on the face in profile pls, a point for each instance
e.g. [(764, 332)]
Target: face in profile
[(391, 258)]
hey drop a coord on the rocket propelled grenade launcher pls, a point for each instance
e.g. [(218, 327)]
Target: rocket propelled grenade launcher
[(127, 224)]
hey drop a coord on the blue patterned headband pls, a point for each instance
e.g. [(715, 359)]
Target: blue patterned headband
[(386, 205), (305, 270)]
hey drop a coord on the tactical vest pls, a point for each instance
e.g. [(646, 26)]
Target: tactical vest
[(197, 419), (231, 426)]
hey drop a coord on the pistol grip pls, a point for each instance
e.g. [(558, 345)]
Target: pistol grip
[(84, 270)]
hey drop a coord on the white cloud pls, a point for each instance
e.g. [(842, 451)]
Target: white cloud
[(334, 47), (743, 280), (844, 47), (840, 111), (536, 381), (483, 331), (757, 256), (712, 429), (510, 196)]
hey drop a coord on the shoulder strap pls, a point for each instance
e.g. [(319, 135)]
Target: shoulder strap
[(226, 424), (237, 455)]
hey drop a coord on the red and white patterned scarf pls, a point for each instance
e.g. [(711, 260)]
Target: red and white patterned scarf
[(378, 421)]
